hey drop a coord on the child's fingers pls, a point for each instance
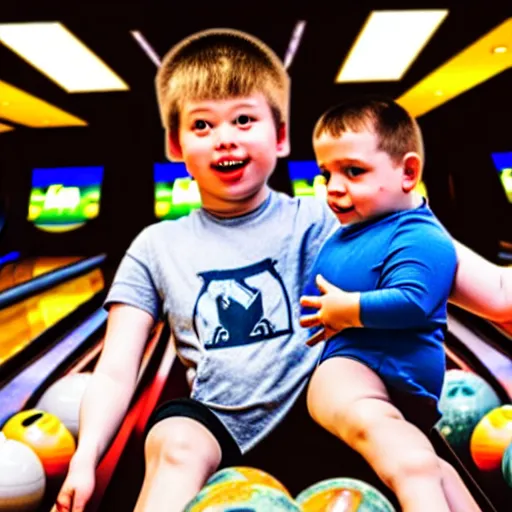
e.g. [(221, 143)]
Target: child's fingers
[(64, 501), (322, 284), (79, 503), (316, 338), (309, 320), (310, 301)]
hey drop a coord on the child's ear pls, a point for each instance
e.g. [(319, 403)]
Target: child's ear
[(283, 140), (411, 165), (173, 147)]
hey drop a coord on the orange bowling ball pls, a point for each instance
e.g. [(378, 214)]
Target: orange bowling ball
[(47, 436), (245, 474), (491, 437)]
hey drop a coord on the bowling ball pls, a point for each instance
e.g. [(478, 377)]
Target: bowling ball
[(491, 438), (465, 399), (238, 496), (63, 399), (506, 465), (22, 480), (345, 494), (246, 474), (47, 436)]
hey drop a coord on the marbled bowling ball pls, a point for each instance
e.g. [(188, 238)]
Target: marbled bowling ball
[(465, 399), (506, 465), (47, 436), (491, 438), (241, 496), (246, 474), (343, 494)]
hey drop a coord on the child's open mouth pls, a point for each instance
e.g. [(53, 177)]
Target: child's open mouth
[(230, 165), (230, 170)]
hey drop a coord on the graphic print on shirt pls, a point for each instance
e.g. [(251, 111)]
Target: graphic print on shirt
[(241, 306)]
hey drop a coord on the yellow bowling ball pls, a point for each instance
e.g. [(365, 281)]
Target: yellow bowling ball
[(491, 437), (46, 435)]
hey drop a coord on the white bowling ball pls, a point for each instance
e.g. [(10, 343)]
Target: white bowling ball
[(63, 399), (22, 478)]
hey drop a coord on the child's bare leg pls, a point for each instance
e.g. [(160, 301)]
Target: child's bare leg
[(350, 400), (180, 455), (456, 492)]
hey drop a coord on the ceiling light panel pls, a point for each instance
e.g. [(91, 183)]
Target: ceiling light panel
[(388, 44), (5, 128), (56, 52), (21, 107), (472, 66)]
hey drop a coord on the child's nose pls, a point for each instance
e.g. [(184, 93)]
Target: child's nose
[(225, 136), (336, 186)]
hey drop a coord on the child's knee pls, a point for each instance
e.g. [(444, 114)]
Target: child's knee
[(181, 442), (363, 419), (417, 464)]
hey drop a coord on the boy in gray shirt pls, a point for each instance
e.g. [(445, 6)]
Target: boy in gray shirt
[(228, 277)]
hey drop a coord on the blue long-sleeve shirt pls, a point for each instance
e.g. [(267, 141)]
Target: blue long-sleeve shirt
[(403, 264)]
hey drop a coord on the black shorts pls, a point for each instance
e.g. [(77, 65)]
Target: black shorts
[(190, 408), (298, 452)]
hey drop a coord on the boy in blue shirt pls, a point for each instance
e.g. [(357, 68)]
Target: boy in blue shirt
[(385, 276), (227, 277)]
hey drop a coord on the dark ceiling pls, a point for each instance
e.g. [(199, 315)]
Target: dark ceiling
[(125, 127), (329, 34)]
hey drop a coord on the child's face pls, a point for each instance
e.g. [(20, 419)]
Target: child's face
[(362, 181), (230, 147)]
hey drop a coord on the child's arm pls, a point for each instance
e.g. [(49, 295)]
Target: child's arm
[(482, 287), (113, 381), (416, 278), (106, 399)]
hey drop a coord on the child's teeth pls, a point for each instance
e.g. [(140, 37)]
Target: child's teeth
[(228, 164)]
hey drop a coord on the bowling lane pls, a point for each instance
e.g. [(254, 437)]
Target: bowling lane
[(488, 347), (16, 393), (17, 272), (29, 319)]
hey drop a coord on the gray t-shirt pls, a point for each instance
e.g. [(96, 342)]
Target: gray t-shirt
[(230, 289)]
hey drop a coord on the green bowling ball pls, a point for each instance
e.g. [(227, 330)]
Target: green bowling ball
[(506, 465), (465, 399), (344, 494)]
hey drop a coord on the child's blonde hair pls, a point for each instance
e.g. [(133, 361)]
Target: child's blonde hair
[(219, 64)]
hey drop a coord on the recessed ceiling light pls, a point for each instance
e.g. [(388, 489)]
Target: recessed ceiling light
[(500, 49)]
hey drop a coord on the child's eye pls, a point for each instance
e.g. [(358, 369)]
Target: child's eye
[(243, 120), (200, 124), (326, 175), (353, 172)]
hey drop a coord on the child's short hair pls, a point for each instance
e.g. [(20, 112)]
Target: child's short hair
[(220, 64), (397, 130)]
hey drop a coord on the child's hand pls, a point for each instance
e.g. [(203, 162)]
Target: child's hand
[(77, 488), (337, 310)]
